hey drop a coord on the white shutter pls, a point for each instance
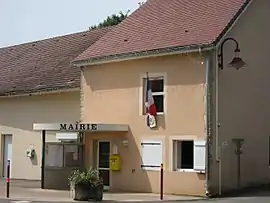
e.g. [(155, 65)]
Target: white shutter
[(151, 154), (199, 155)]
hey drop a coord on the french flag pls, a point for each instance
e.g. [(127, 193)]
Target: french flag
[(150, 103)]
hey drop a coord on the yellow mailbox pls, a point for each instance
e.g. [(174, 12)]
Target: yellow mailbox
[(115, 162)]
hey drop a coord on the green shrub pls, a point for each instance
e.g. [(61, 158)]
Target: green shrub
[(86, 177)]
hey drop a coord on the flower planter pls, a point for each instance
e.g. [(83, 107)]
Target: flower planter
[(82, 192), (86, 185), (85, 192), (96, 193)]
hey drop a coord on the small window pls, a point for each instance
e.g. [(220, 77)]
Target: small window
[(183, 155), (54, 155), (189, 155), (71, 156), (157, 87)]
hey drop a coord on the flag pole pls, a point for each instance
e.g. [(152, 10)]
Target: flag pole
[(146, 90)]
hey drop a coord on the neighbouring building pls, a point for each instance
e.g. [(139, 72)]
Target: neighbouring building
[(38, 84)]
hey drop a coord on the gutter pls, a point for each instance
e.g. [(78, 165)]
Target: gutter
[(145, 54), (37, 93)]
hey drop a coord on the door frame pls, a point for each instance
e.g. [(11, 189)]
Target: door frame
[(110, 172)]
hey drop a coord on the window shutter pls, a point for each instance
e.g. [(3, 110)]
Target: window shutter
[(151, 154), (199, 155)]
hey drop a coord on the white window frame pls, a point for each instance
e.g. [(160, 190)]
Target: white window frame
[(173, 157), (152, 76)]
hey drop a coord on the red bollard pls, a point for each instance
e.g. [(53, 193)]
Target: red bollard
[(161, 181), (8, 179)]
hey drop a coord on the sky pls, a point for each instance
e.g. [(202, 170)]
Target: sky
[(30, 20)]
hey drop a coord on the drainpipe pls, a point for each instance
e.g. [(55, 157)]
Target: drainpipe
[(43, 134), (207, 103), (218, 148)]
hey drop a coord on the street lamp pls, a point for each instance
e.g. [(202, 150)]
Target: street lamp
[(237, 62)]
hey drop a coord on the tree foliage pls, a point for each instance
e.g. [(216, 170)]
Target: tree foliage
[(111, 20), (141, 3)]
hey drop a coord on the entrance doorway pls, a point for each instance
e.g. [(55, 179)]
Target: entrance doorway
[(103, 162), (7, 153)]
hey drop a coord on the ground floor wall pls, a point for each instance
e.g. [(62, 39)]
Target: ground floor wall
[(132, 177), (17, 116), (22, 166)]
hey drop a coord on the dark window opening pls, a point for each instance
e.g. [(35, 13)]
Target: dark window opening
[(187, 155), (159, 102), (183, 154), (157, 85)]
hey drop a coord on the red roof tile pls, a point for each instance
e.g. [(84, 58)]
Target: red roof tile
[(162, 24), (44, 65)]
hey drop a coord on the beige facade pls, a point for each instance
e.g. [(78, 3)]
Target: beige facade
[(17, 117), (243, 100), (113, 94)]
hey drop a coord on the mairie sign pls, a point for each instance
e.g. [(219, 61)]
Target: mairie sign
[(78, 127)]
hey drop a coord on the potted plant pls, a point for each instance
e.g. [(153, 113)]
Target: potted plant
[(87, 184)]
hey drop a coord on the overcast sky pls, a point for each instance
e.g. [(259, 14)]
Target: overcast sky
[(29, 20)]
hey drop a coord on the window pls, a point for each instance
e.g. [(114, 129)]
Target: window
[(54, 155), (157, 87), (71, 155), (151, 154), (189, 155), (63, 155)]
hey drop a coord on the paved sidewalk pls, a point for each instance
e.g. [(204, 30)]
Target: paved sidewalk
[(64, 196), (30, 191)]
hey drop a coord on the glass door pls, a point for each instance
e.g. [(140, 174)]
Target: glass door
[(104, 162)]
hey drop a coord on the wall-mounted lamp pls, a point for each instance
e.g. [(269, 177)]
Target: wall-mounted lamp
[(125, 143), (237, 62)]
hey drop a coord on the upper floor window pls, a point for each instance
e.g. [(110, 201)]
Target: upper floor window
[(157, 87)]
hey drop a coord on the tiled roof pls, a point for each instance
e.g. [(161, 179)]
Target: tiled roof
[(44, 65), (160, 24)]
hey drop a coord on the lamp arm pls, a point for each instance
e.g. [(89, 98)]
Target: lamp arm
[(220, 55)]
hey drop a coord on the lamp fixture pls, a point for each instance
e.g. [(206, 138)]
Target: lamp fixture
[(237, 62)]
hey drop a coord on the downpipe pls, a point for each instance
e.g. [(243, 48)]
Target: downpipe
[(207, 119), (218, 148), (212, 124)]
